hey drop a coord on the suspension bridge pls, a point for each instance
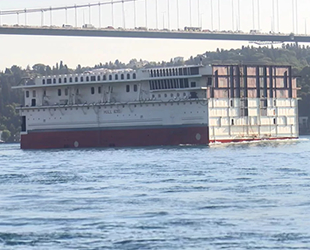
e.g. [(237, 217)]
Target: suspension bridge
[(170, 19)]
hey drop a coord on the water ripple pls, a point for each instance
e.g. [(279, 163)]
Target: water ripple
[(244, 196)]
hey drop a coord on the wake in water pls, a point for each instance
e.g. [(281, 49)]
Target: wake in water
[(258, 142)]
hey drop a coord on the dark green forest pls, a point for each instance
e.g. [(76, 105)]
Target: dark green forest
[(297, 56)]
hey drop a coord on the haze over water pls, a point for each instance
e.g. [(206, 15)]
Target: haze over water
[(245, 196)]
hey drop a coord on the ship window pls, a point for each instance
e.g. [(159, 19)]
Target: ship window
[(33, 93), (43, 81), (116, 77), (65, 80), (193, 84), (49, 81), (194, 71), (181, 83), (92, 90), (232, 122), (122, 76), (128, 76), (99, 90), (134, 76), (59, 80), (27, 94), (104, 78), (209, 82), (127, 88), (180, 72), (33, 102), (151, 73), (186, 85), (158, 72), (110, 77), (93, 78), (161, 85), (87, 78), (59, 92), (98, 78), (54, 80), (66, 91), (135, 88), (185, 71), (70, 79), (173, 72), (156, 84), (170, 73), (76, 79), (82, 79)]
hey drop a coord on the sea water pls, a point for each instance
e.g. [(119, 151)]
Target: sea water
[(237, 196)]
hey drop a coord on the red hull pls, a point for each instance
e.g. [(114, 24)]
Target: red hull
[(116, 138)]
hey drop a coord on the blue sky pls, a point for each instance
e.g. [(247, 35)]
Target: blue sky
[(28, 50)]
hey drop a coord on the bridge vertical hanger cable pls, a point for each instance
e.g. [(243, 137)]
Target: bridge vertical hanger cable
[(232, 15), (145, 6), (25, 17), (253, 14), (51, 17), (134, 14), (278, 22), (239, 15), (75, 11), (258, 15), (112, 13), (219, 14), (66, 15), (293, 15), (296, 16), (190, 13), (198, 9), (273, 19), (99, 14), (156, 14), (89, 14), (211, 2), (168, 15), (123, 11), (42, 18), (178, 16)]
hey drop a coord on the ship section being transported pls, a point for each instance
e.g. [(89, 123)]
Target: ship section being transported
[(252, 103), (159, 106)]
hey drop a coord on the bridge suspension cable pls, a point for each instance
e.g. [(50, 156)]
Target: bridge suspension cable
[(25, 11)]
